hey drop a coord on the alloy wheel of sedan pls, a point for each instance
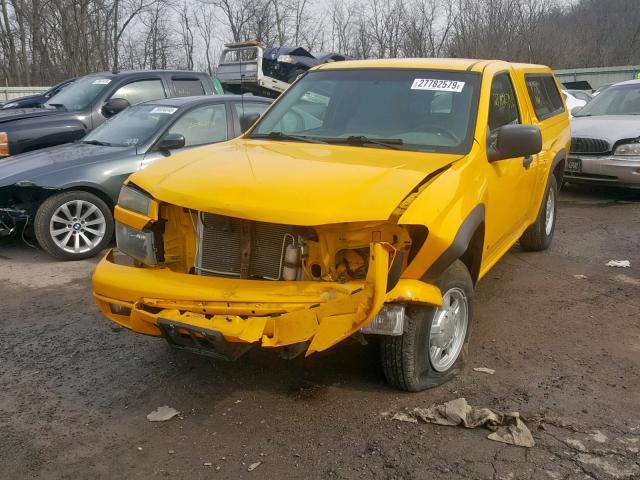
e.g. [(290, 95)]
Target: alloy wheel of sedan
[(77, 226), (73, 225)]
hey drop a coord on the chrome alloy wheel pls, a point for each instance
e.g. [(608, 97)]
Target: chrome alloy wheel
[(448, 330), (77, 226), (549, 213)]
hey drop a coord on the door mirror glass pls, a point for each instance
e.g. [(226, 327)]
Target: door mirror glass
[(247, 120), (513, 141), (171, 141), (113, 106)]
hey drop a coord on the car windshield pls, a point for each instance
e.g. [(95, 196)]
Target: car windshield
[(616, 100), (80, 94), (425, 110), (131, 127)]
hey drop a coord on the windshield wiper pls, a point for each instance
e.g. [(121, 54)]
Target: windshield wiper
[(96, 142), (286, 136), (361, 140)]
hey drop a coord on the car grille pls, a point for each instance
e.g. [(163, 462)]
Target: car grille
[(233, 247), (589, 145)]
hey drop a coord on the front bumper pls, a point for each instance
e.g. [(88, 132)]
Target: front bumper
[(269, 313), (606, 171)]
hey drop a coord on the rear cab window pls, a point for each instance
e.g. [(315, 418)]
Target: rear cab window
[(187, 87), (544, 94)]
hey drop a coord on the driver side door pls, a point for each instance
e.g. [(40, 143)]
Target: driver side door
[(509, 189)]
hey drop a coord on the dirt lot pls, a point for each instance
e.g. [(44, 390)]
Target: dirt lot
[(75, 389)]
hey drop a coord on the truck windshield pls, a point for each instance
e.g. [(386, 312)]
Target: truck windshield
[(424, 110), (80, 94), (239, 55), (131, 127), (616, 100)]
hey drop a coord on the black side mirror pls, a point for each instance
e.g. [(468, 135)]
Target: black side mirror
[(247, 120), (575, 111), (171, 141), (113, 106), (516, 141)]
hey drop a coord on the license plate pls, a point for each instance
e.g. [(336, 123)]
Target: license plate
[(574, 165)]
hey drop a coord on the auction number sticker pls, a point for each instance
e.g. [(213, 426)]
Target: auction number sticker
[(437, 85), (102, 81), (169, 110)]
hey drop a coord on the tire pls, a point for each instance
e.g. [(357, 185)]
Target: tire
[(74, 239), (407, 360), (540, 234)]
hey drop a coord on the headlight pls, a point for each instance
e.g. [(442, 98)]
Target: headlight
[(134, 200), (138, 244), (285, 59), (4, 144), (10, 105), (628, 149), (250, 67)]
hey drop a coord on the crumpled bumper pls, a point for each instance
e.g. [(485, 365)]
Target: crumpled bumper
[(269, 313), (9, 219)]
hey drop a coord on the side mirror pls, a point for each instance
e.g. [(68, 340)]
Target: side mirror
[(171, 141), (575, 110), (113, 106), (516, 141), (247, 120)]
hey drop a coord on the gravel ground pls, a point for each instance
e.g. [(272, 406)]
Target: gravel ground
[(75, 389)]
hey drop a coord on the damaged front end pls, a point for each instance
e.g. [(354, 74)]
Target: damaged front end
[(18, 204), (219, 285)]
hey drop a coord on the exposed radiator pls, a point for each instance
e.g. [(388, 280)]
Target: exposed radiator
[(233, 247)]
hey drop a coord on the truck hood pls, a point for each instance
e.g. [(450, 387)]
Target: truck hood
[(32, 165), (12, 114), (289, 182), (607, 127)]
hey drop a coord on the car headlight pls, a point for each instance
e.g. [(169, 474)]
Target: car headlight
[(250, 67), (628, 149), (285, 59), (135, 200), (4, 145), (139, 244), (10, 105)]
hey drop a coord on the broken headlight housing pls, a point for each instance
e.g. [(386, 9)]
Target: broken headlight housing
[(134, 199), (139, 244)]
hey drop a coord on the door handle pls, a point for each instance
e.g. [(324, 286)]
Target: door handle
[(527, 161)]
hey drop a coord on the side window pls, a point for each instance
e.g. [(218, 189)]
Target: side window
[(544, 95), (141, 91), (203, 125), (503, 109), (249, 108), (187, 87)]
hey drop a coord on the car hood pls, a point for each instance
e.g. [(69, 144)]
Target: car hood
[(12, 114), (607, 127), (289, 182), (32, 165)]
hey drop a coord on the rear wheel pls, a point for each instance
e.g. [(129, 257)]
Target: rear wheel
[(432, 348), (73, 225), (539, 235)]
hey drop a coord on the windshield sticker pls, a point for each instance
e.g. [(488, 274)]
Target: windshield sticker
[(437, 85), (168, 110), (101, 81)]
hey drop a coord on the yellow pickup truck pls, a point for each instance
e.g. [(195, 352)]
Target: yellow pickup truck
[(368, 200)]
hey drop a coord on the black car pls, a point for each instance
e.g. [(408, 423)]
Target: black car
[(65, 194), (36, 101), (88, 102)]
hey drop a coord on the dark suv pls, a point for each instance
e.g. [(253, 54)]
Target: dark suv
[(88, 102)]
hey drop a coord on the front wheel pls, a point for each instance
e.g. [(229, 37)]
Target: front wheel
[(73, 225), (539, 235), (432, 348)]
